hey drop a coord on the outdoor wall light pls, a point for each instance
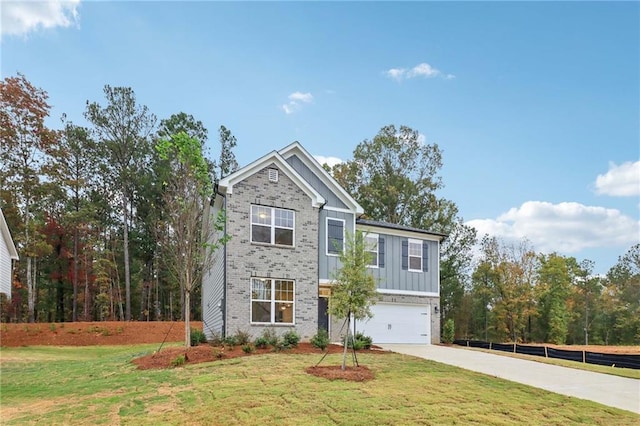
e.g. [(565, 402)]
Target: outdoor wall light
[(436, 310)]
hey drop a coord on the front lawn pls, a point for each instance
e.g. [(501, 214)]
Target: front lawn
[(100, 385)]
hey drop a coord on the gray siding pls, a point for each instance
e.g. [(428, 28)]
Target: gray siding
[(5, 267), (331, 198), (326, 263), (393, 277), (213, 284)]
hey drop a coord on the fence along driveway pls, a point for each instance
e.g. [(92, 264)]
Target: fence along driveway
[(614, 391)]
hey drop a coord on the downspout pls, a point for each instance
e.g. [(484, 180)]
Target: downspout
[(223, 302)]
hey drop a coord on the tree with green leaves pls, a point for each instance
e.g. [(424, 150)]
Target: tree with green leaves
[(227, 163), (623, 289), (555, 276), (187, 189), (354, 288), (122, 129)]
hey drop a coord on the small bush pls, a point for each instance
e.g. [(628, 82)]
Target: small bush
[(230, 341), (216, 340), (217, 353), (448, 331), (270, 336), (242, 337), (180, 360), (52, 327), (321, 339), (359, 342), (247, 348), (197, 337), (290, 339), (261, 342)]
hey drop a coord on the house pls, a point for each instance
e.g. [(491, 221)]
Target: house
[(287, 219), (7, 254)]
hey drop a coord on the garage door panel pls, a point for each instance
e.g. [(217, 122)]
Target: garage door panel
[(395, 323)]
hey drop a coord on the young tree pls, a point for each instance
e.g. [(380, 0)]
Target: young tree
[(354, 288), (187, 189), (24, 139), (227, 163), (122, 129)]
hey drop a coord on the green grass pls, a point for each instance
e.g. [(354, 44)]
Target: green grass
[(99, 385), (614, 371)]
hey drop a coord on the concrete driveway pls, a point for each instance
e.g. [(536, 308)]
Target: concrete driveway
[(614, 391)]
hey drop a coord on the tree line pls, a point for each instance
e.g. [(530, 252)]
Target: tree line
[(93, 209)]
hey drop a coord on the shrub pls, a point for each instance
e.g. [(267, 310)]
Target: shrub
[(261, 342), (52, 327), (216, 340), (197, 337), (271, 337), (217, 353), (180, 360), (247, 348), (242, 337), (290, 339), (230, 341), (360, 341), (448, 331), (321, 339)]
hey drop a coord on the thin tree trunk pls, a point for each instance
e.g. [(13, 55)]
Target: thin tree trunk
[(127, 272), (346, 341), (74, 317), (30, 290), (187, 326), (86, 289)]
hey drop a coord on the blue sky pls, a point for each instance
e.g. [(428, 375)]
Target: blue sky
[(536, 105)]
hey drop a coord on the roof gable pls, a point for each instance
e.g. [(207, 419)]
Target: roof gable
[(6, 235), (226, 183), (296, 149)]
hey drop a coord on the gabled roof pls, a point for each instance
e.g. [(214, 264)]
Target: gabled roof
[(226, 183), (296, 149), (6, 235)]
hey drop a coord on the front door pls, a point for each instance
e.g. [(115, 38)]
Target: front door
[(323, 315)]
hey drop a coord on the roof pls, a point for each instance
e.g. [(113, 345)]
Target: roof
[(297, 149), (226, 183), (396, 227), (4, 230)]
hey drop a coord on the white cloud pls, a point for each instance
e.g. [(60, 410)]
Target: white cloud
[(296, 99), (563, 227), (331, 161), (421, 70), (22, 17), (620, 181)]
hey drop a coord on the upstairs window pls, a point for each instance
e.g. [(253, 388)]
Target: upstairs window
[(335, 236), (371, 247), (272, 226), (415, 255)]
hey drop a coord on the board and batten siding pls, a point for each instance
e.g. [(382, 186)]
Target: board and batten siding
[(317, 183), (393, 277), (329, 263), (213, 304)]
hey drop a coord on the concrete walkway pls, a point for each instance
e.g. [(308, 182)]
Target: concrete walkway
[(614, 391)]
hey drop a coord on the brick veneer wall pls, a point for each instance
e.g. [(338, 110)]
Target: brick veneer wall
[(245, 259)]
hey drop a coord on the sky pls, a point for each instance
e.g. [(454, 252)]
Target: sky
[(535, 105)]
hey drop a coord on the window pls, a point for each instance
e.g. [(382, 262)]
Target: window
[(335, 236), (371, 247), (272, 301), (272, 226), (415, 255)]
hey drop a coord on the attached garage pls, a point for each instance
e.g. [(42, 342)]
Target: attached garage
[(397, 323)]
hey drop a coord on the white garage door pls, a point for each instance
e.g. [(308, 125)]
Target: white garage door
[(394, 323)]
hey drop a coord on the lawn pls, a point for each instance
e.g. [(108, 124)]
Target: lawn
[(99, 385)]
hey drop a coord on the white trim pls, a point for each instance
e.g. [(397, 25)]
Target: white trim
[(344, 225), (419, 242), (296, 149), (398, 232), (6, 234), (226, 183), (406, 293), (337, 209), (366, 248), (325, 281)]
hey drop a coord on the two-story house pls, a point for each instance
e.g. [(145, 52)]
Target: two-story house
[(287, 219)]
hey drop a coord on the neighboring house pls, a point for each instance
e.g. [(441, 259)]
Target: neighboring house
[(7, 254), (287, 218)]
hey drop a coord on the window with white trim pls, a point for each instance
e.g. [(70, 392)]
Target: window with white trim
[(272, 225), (415, 255), (335, 236), (272, 301), (371, 247)]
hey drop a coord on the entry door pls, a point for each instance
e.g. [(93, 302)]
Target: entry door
[(323, 315)]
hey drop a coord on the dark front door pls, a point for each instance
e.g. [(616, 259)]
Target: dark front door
[(323, 315)]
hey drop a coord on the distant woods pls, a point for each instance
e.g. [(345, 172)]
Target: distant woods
[(88, 207)]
